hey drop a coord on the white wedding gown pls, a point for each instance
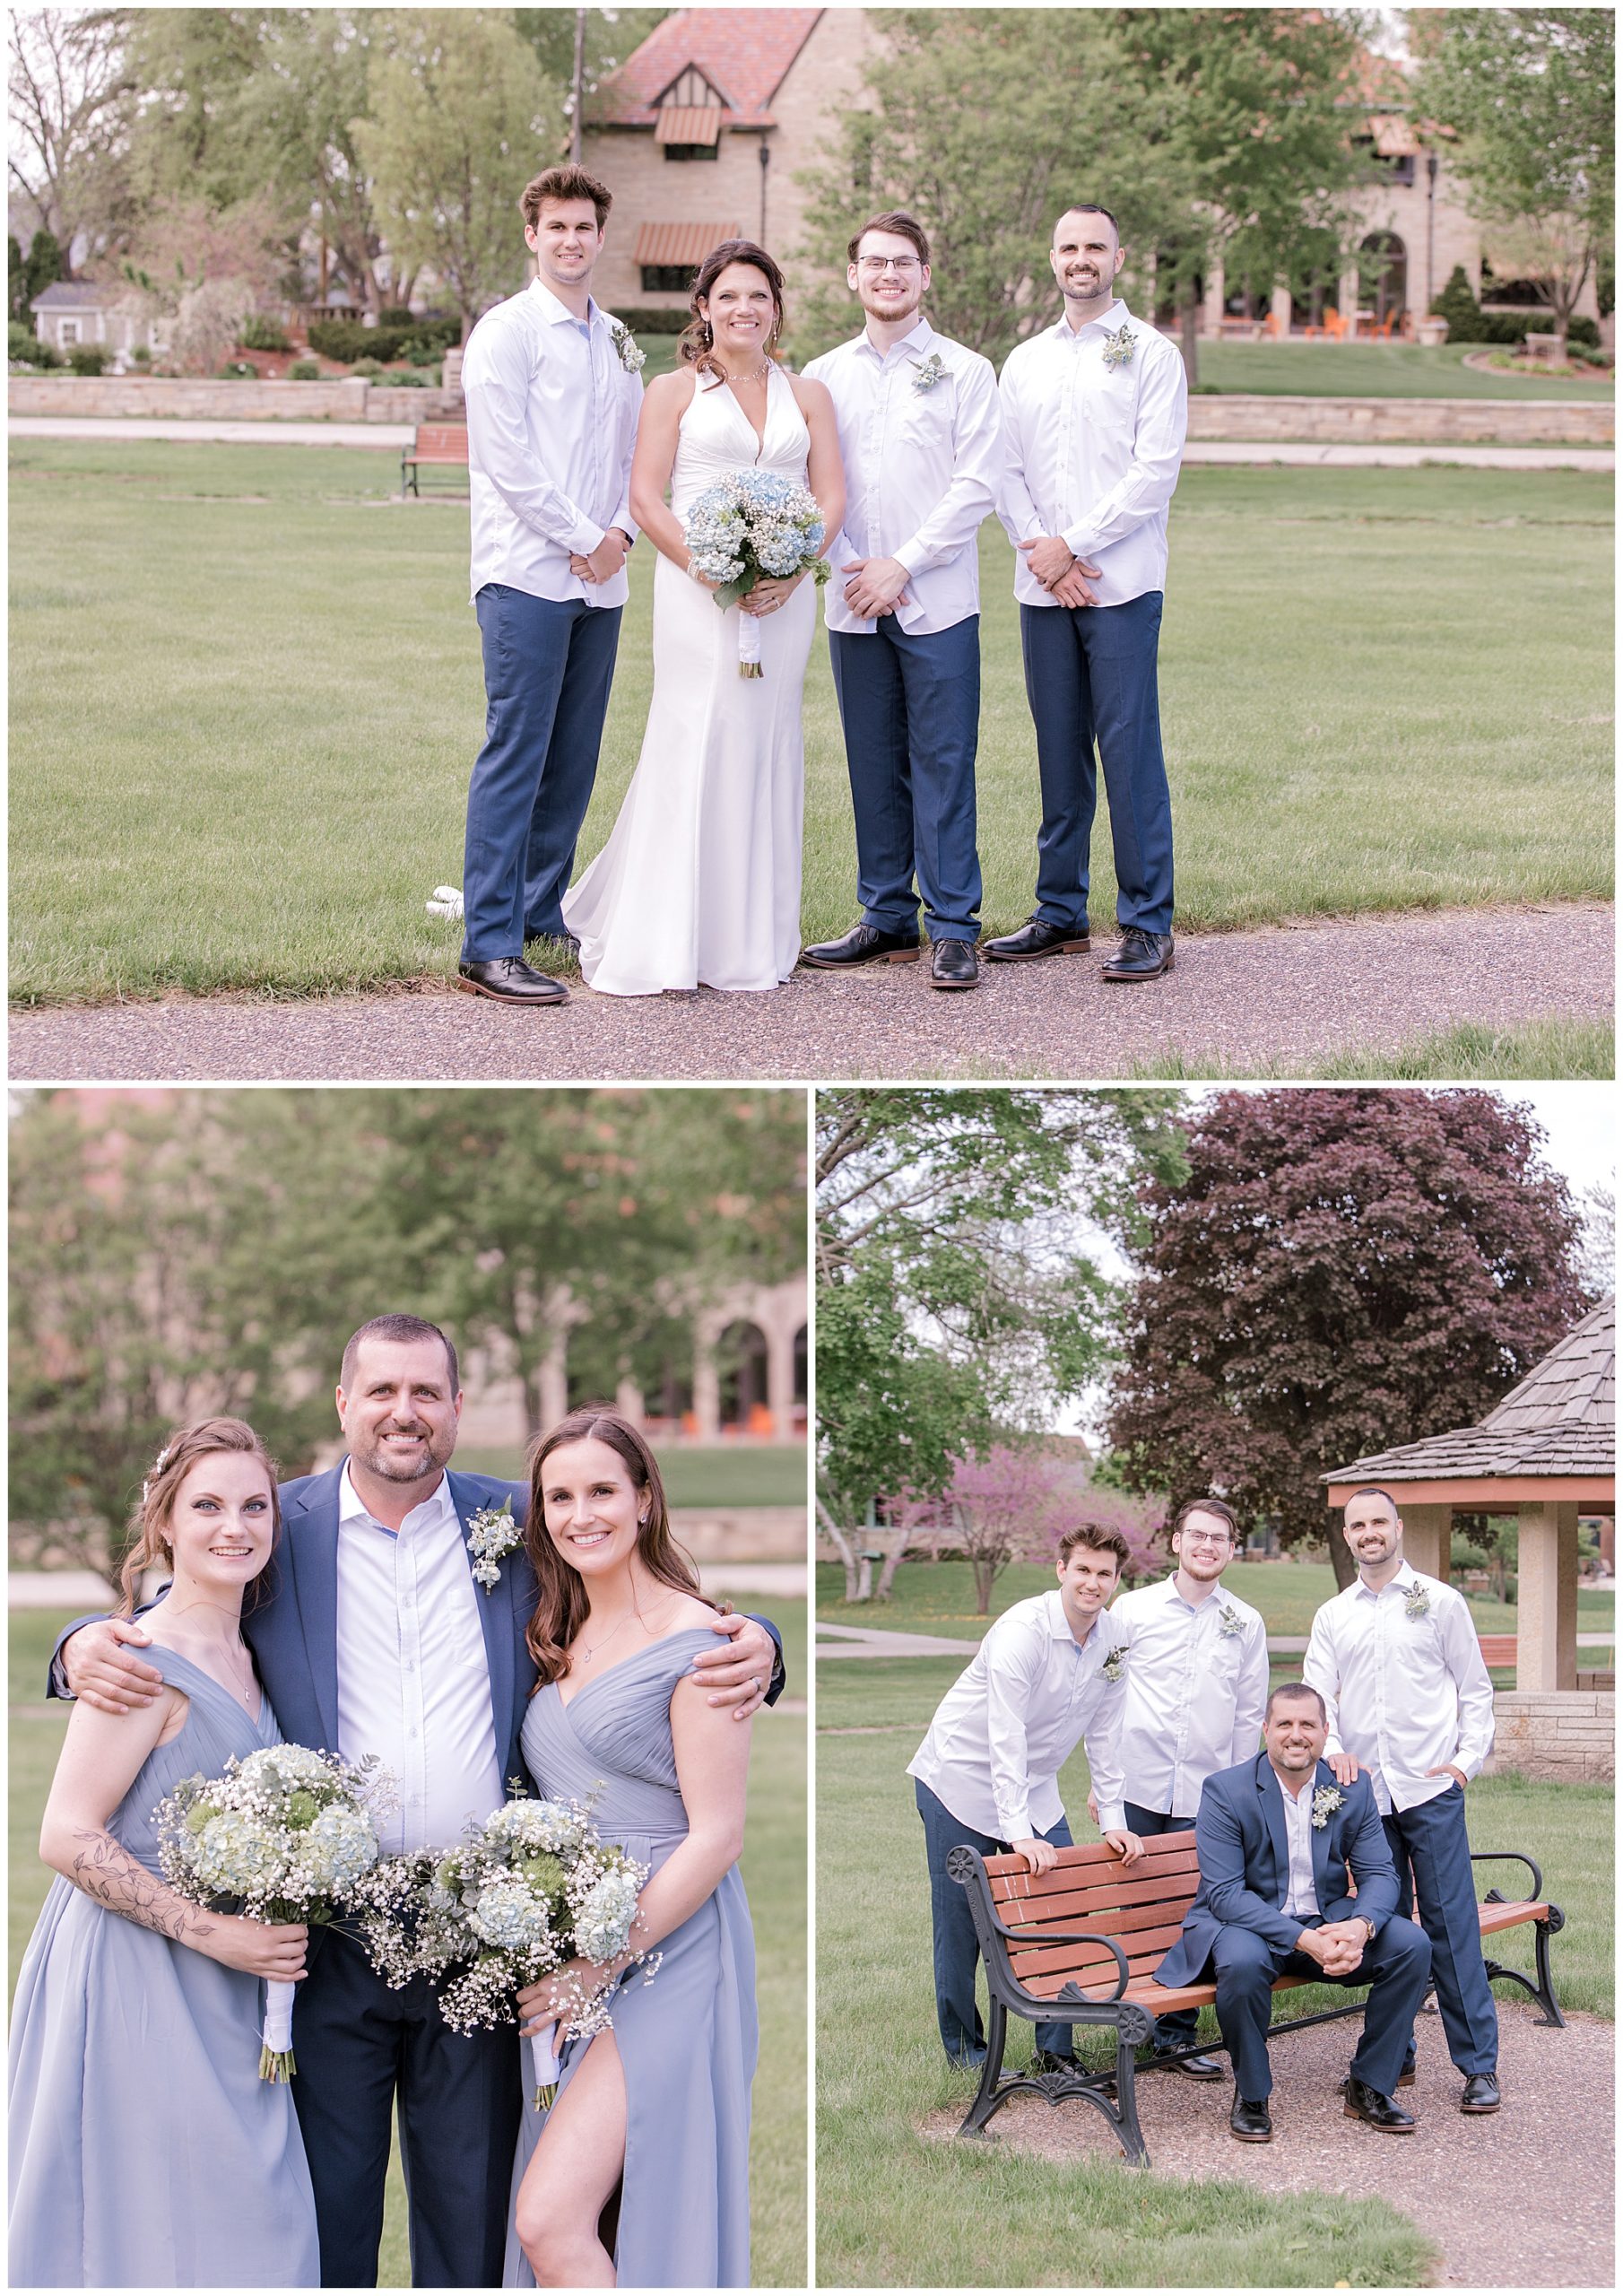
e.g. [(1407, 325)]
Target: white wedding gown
[(700, 881)]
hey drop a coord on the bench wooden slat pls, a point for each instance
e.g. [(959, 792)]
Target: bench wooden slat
[(440, 442), (1073, 1912)]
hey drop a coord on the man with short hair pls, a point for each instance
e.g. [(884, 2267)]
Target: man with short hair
[(1296, 1880), (1095, 410), (1195, 1697), (553, 396), (372, 1638), (1397, 1660), (921, 437), (1048, 1674)]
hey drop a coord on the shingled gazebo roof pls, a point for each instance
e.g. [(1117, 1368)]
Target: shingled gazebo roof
[(1555, 1429)]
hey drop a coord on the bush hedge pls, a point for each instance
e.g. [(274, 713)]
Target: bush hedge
[(88, 358), (396, 335), (304, 370), (262, 333), (653, 322), (24, 348), (1468, 322)]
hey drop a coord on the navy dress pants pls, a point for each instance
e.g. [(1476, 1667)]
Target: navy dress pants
[(1397, 1967), (1430, 1844), (1174, 2028), (956, 1949), (910, 708), (547, 665), (1090, 680), (359, 2046)]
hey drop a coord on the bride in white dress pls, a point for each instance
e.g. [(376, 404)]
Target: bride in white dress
[(700, 881)]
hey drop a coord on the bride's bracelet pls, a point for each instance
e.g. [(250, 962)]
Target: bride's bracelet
[(691, 570)]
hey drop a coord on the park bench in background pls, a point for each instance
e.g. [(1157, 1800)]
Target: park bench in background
[(436, 443), (1079, 1944)]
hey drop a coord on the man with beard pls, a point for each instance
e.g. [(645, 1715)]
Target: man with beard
[(373, 1639), (920, 437)]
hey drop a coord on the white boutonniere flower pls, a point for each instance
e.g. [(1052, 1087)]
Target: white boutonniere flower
[(632, 357), (1326, 1799), (1416, 1602), (1229, 1622), (929, 372), (1120, 347), (492, 1536), (1115, 1665)]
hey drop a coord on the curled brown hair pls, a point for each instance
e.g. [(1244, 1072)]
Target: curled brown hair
[(563, 183), (561, 1607), (150, 1522), (1100, 1540), (695, 344)]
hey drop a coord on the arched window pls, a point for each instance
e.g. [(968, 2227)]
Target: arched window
[(1383, 274)]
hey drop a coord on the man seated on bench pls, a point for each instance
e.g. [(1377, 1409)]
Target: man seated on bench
[(1297, 1880), (1050, 1671)]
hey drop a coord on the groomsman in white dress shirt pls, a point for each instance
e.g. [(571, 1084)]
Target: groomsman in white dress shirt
[(1048, 1674), (921, 437), (1196, 1689), (1395, 1659), (1094, 409)]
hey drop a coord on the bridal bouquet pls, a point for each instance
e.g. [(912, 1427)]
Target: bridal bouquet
[(287, 1834), (529, 1890), (753, 525)]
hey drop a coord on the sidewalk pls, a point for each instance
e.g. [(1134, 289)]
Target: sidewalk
[(888, 1642)]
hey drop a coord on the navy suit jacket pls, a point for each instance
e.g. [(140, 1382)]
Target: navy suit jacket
[(1245, 1859)]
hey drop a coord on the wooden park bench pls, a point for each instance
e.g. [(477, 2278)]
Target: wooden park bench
[(1079, 1945), (1498, 1649), (436, 443)]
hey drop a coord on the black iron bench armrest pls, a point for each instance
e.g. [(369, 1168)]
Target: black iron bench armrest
[(1030, 1940), (1506, 1857)]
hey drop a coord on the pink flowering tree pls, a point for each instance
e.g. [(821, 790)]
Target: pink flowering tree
[(1014, 1504)]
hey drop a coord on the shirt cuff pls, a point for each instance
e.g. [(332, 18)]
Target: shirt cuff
[(1081, 541), (1113, 1817), (1017, 1825), (584, 539), (913, 556)]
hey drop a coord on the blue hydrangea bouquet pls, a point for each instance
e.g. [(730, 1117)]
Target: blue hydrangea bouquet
[(753, 526)]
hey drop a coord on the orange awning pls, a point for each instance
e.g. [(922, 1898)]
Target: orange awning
[(1394, 138), (681, 243), (688, 124)]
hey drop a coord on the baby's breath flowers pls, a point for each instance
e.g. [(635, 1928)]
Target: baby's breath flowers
[(753, 526)]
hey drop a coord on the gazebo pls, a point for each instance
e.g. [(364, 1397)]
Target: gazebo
[(1546, 1453)]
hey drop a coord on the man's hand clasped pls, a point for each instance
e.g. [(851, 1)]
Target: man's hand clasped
[(603, 563), (1059, 572), (876, 586), (1337, 1946)]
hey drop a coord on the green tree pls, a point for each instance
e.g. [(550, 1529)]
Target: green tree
[(1531, 93), (461, 117), (962, 1289), (71, 104), (609, 36)]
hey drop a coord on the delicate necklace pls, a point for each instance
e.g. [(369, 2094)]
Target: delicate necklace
[(759, 374), (249, 1687), (590, 1650)]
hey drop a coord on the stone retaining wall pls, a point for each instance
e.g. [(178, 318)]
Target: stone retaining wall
[(338, 400), (1568, 1734), (742, 1534)]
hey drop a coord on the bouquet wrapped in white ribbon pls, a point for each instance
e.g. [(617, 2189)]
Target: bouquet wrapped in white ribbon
[(747, 529), (530, 1889), (287, 1834)]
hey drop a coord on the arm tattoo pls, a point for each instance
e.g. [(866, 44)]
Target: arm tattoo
[(106, 1871)]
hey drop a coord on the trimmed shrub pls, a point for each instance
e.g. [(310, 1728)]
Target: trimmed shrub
[(1460, 308), (88, 358), (304, 370), (262, 333), (396, 335), (23, 347), (239, 370), (653, 322)]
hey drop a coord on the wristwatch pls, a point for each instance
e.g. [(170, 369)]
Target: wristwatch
[(629, 540)]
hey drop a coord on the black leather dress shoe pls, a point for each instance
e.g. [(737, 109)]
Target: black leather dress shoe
[(1036, 939), (510, 981), (1248, 2119), (1405, 2079), (865, 944), (1139, 956), (1193, 2068), (1366, 2104), (1481, 2094), (953, 964), (1053, 2060)]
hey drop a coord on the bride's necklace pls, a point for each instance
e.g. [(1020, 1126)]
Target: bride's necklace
[(756, 375)]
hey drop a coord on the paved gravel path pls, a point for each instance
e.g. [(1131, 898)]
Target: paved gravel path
[(1521, 2198), (1248, 1001)]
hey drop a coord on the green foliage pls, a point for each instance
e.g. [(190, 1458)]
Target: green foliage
[(17, 281), (304, 370), (260, 333), (1459, 306), (239, 370), (647, 319), (24, 348), (88, 358)]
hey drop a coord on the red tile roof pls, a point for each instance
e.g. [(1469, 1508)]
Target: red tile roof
[(745, 53)]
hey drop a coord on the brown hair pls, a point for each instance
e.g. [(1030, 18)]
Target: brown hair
[(1101, 1541), (694, 344), (561, 1607), (150, 1522), (1296, 1689), (400, 1331), (1217, 1507), (1085, 207), (564, 183), (896, 220), (1374, 1491)]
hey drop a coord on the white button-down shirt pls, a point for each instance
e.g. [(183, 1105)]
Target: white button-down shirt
[(922, 471), (1014, 1718), (1093, 452), (413, 1679), (551, 425), (1301, 1892), (1197, 1683), (1406, 1692)]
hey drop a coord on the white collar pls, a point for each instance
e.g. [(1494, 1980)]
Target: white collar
[(1114, 319), (919, 338), (353, 1509), (558, 314), (1405, 1576)]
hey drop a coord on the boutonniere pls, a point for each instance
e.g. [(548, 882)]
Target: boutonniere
[(1229, 1622), (1120, 347), (633, 358), (1114, 1665), (1416, 1602), (492, 1536), (929, 372), (1326, 1799)]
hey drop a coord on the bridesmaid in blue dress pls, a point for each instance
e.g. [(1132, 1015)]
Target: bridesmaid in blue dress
[(658, 2106), (145, 2150)]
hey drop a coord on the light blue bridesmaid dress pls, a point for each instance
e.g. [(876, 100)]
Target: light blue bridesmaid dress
[(688, 2041), (145, 2150)]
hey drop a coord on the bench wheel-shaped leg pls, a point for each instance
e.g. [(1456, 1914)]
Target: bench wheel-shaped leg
[(986, 2099)]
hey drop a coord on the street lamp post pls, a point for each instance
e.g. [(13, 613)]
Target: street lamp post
[(1431, 201)]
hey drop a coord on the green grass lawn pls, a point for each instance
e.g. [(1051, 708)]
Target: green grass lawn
[(773, 1868), (1468, 1053), (245, 696), (727, 1474), (896, 2207), (1376, 370)]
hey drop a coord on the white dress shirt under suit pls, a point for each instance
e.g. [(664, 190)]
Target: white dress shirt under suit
[(552, 415), (923, 469), (1093, 451), (414, 1678), (1196, 1687), (1015, 1716)]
